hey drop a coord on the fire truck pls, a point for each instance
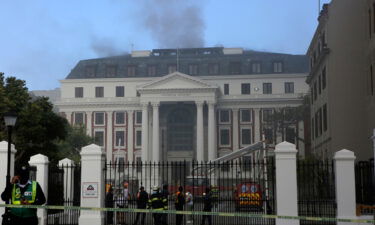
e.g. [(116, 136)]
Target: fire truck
[(248, 196)]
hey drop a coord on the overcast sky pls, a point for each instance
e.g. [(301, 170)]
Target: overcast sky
[(42, 40)]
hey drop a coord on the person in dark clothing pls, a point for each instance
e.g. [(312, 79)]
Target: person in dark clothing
[(109, 203), (165, 194), (22, 191), (207, 206), (179, 204), (142, 200), (157, 202)]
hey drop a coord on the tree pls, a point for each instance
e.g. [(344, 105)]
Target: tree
[(75, 140), (37, 128)]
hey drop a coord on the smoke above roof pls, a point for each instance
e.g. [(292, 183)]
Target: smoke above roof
[(174, 23)]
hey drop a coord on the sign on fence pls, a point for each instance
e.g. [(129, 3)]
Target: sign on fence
[(90, 190)]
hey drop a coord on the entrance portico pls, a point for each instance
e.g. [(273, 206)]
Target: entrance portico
[(174, 99)]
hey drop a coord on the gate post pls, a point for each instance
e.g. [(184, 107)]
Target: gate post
[(345, 185), (41, 163), (92, 184), (3, 168), (286, 183), (67, 165)]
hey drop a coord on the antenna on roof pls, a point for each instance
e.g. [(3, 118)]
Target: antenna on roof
[(178, 65), (318, 7)]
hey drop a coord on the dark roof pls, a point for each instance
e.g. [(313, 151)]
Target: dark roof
[(201, 58)]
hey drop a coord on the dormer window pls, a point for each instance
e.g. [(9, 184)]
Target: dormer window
[(131, 71), (213, 68), (111, 71), (278, 66), (193, 69), (235, 68), (255, 67), (172, 68)]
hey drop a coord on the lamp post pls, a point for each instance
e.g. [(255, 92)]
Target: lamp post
[(10, 121)]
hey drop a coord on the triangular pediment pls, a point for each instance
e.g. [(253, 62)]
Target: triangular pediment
[(177, 80)]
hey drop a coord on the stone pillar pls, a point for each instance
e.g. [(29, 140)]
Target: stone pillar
[(256, 122), (41, 163), (89, 123), (200, 134), (3, 168), (345, 185), (286, 183), (235, 130), (212, 151), (92, 184), (67, 165), (109, 149), (130, 132), (145, 133), (155, 133)]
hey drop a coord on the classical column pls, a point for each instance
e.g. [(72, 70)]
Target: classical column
[(212, 154), (235, 135), (69, 117), (89, 122), (155, 132), (130, 140), (256, 122), (145, 133), (109, 148), (200, 135)]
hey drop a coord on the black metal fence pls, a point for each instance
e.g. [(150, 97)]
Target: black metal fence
[(365, 184), (64, 185), (241, 186), (316, 190)]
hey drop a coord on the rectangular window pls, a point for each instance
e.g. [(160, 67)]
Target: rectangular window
[(315, 91), (120, 138), (139, 164), (312, 129), (245, 89), (138, 117), (99, 138), (324, 79), (245, 136), (224, 116), (131, 71), (277, 67), (245, 115), (267, 115), (120, 118), (267, 88), (320, 121), (172, 68), (99, 118), (268, 135), (255, 67), (246, 163), (213, 68), (78, 92), (235, 67), (290, 135), (193, 69), (110, 71), (79, 118), (90, 71), (120, 91), (226, 89), (224, 136), (99, 92), (151, 70), (289, 87), (320, 84), (138, 138), (316, 125), (325, 119)]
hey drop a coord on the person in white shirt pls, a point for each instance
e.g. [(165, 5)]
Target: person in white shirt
[(190, 205)]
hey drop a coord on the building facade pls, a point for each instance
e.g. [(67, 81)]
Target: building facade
[(341, 79), (185, 104)]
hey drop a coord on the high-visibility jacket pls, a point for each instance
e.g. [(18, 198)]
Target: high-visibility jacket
[(29, 195), (157, 201)]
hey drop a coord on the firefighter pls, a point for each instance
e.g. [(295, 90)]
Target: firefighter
[(157, 202)]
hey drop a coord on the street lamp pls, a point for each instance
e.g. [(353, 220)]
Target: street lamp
[(10, 120)]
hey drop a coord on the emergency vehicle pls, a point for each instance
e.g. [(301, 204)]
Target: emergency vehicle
[(248, 196)]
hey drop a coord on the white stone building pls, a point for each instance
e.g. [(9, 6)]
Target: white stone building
[(186, 104)]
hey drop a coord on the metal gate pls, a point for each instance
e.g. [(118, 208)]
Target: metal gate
[(64, 190), (237, 186)]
